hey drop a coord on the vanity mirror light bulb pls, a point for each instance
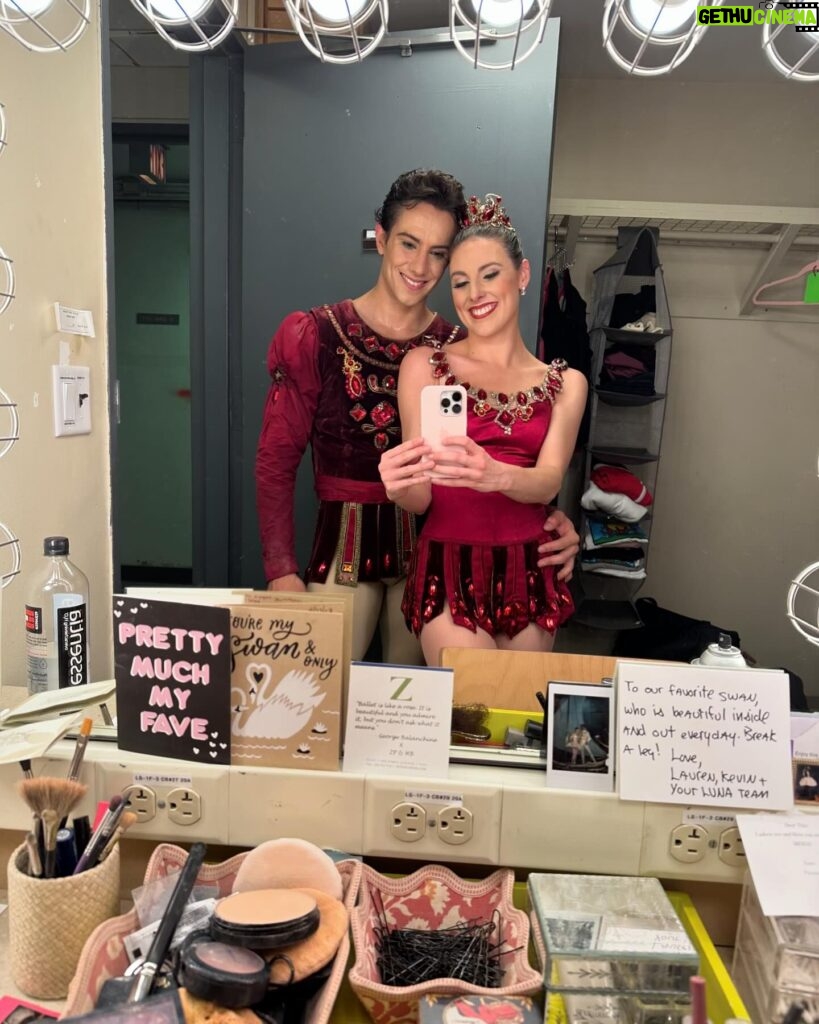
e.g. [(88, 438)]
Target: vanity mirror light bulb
[(500, 13), (658, 19), (337, 12), (29, 8), (178, 10)]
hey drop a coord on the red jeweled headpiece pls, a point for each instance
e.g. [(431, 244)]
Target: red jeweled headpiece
[(485, 211)]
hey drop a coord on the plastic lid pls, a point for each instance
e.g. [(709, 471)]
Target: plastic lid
[(55, 546)]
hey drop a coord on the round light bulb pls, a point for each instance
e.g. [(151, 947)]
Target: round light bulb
[(32, 8), (177, 10), (501, 13), (672, 17), (337, 12)]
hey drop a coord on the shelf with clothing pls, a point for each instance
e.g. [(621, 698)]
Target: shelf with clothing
[(630, 333)]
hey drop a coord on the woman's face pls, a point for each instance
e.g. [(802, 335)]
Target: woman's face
[(486, 285), (415, 252)]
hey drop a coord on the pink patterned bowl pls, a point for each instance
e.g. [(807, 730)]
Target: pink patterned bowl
[(104, 955), (431, 898)]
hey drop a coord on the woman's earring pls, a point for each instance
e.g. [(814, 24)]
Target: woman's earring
[(523, 291)]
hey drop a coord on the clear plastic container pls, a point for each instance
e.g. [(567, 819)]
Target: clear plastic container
[(57, 617)]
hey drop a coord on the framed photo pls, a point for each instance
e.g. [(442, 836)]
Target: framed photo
[(580, 737), (806, 782)]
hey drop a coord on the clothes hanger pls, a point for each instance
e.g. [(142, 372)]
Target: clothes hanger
[(809, 268)]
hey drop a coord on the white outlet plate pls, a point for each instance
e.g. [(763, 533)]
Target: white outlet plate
[(382, 794), (689, 843), (211, 782), (184, 806), (325, 808), (454, 825), (409, 822), (731, 848), (656, 859)]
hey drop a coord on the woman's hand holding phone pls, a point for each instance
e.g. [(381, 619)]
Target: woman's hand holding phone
[(405, 466)]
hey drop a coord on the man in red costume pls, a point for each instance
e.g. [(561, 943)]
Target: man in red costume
[(334, 373)]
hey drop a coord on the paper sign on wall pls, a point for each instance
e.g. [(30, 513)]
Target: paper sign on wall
[(398, 720), (706, 736), (783, 857), (172, 666)]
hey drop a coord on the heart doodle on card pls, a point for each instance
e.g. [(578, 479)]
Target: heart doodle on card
[(133, 611), (120, 604), (211, 743), (223, 745), (118, 614), (196, 750), (143, 604), (215, 734), (258, 673), (213, 753)]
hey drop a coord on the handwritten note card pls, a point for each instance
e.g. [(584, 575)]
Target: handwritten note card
[(398, 720), (709, 736), (783, 856)]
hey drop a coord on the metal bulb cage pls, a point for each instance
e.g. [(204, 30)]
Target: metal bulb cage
[(673, 48), (804, 67), (2, 128), (9, 423), (6, 282), (312, 30), (9, 556), (803, 600), (532, 28), (56, 27), (199, 34)]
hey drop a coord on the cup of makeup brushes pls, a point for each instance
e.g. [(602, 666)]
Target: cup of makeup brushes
[(50, 920)]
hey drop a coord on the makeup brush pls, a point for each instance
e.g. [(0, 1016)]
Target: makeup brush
[(79, 749), (46, 793), (125, 822), (50, 827), (26, 766), (102, 833), (35, 864)]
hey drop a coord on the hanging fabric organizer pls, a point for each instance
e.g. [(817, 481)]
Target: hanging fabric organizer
[(630, 334)]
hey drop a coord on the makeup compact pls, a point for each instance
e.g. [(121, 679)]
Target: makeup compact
[(228, 975), (265, 918)]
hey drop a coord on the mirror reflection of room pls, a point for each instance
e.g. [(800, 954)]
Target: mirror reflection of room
[(695, 154)]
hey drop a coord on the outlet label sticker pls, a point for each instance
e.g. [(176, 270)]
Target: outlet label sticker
[(148, 779), (712, 736), (695, 817), (425, 796)]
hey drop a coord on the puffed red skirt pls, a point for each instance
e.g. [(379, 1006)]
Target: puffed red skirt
[(497, 588)]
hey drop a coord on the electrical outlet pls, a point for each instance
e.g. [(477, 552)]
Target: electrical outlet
[(408, 822), (184, 806), (142, 801), (731, 850), (454, 825), (688, 843)]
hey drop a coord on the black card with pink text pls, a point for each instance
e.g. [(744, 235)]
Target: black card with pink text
[(172, 667)]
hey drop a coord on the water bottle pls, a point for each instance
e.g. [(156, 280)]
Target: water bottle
[(57, 648)]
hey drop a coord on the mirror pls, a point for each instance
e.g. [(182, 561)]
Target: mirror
[(699, 153)]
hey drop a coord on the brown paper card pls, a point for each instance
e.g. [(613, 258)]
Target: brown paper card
[(286, 685)]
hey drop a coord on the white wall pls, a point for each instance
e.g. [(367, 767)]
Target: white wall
[(737, 493), (52, 225)]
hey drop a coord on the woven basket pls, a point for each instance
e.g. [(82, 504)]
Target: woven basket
[(50, 920), (104, 955)]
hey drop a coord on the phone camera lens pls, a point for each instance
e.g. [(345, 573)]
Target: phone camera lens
[(456, 396), (456, 408), (444, 403)]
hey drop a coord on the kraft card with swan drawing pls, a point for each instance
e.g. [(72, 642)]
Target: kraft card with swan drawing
[(286, 685), (172, 670)]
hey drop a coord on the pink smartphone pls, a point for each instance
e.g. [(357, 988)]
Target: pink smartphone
[(443, 414)]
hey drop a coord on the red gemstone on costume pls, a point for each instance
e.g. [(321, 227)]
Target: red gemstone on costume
[(393, 351), (437, 357), (525, 412), (371, 343), (381, 440), (481, 408), (387, 560), (466, 385), (389, 383), (355, 386), (503, 398), (368, 565), (383, 414), (438, 372), (522, 399), (358, 412), (505, 418), (481, 395), (450, 379), (538, 393), (355, 330)]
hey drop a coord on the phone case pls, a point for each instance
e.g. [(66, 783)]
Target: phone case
[(443, 414)]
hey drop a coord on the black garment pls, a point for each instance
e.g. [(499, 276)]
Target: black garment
[(630, 306), (563, 334)]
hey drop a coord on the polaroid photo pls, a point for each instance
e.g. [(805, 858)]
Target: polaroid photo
[(580, 739), (806, 781), (570, 930)]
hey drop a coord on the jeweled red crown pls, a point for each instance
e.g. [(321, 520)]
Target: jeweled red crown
[(485, 211)]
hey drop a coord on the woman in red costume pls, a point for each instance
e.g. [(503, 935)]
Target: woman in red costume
[(474, 580), (334, 374)]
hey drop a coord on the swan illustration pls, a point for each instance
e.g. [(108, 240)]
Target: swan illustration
[(275, 712)]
